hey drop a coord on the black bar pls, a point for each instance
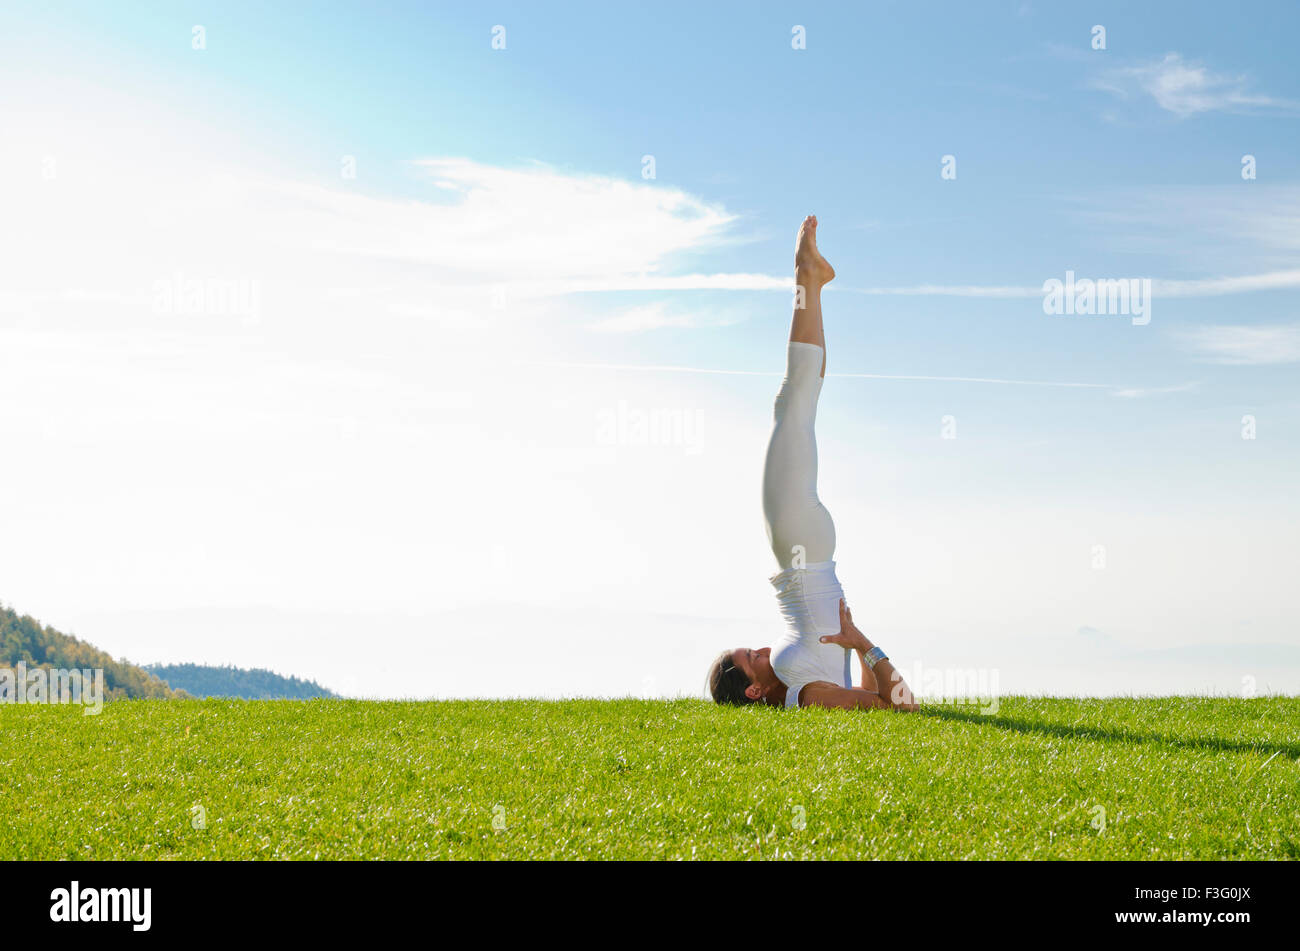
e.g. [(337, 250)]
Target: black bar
[(659, 901)]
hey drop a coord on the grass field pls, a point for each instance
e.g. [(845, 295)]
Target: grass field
[(336, 779)]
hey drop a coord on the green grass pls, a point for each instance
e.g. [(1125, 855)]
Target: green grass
[(338, 779)]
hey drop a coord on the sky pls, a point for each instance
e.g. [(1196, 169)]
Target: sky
[(429, 350)]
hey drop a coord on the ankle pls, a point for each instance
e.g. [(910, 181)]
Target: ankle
[(809, 277)]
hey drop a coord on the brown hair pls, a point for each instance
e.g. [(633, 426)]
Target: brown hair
[(727, 682)]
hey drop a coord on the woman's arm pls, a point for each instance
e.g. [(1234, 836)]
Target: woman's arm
[(822, 694), (879, 673)]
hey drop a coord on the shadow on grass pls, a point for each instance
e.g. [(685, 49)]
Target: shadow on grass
[(1077, 732)]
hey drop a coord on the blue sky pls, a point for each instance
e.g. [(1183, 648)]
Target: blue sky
[(409, 434)]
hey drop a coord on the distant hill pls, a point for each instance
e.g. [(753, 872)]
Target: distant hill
[(24, 639), (256, 684)]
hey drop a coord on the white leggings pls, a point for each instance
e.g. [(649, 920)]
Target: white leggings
[(798, 526)]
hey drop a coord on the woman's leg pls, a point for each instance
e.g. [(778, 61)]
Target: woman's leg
[(799, 527), (811, 273)]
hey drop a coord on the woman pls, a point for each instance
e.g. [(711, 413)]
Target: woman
[(809, 666)]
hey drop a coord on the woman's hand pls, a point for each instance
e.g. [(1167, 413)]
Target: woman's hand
[(849, 635)]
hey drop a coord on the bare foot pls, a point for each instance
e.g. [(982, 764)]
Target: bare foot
[(809, 265)]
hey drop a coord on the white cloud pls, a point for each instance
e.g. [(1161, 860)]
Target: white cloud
[(99, 236), (952, 290), (1128, 392), (113, 229), (735, 281), (639, 319), (1245, 344), (1187, 88), (1214, 286), (1201, 287), (655, 316), (537, 222)]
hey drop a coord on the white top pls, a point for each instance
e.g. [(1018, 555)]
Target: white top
[(810, 602)]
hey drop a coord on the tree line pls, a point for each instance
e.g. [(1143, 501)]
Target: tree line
[(257, 684), (24, 639)]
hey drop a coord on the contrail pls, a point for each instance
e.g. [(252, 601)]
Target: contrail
[(1203, 287), (661, 368), (744, 281), (974, 379)]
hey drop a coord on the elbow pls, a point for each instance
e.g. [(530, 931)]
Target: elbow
[(872, 701)]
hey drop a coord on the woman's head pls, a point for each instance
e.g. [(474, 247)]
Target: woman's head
[(742, 675)]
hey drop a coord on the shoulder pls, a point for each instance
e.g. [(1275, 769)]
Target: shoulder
[(791, 696)]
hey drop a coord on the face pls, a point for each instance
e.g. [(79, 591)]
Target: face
[(757, 666)]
